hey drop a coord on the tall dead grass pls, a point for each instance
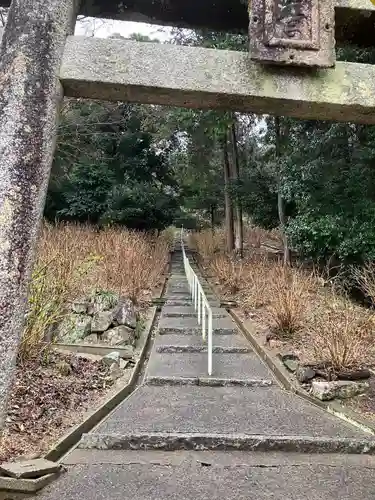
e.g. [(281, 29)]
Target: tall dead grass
[(299, 306), (207, 243), (228, 272), (341, 333), (74, 260), (256, 236), (289, 291), (364, 278)]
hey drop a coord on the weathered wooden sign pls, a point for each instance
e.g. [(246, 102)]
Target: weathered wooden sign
[(292, 32)]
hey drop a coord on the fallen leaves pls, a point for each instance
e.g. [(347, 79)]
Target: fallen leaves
[(45, 398)]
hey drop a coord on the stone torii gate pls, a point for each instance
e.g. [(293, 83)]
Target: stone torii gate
[(290, 70)]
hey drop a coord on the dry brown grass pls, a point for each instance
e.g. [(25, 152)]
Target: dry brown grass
[(207, 243), (256, 236), (132, 262), (289, 291), (228, 272), (341, 333), (364, 278), (306, 310), (254, 294), (75, 260)]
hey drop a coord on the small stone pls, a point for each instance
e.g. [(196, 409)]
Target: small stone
[(125, 314), (101, 321), (120, 335), (291, 362), (91, 339), (124, 363), (80, 306), (74, 328), (111, 359), (274, 343), (102, 301), (304, 374), (64, 368), (29, 469), (115, 371), (342, 389), (127, 352), (270, 336), (360, 374)]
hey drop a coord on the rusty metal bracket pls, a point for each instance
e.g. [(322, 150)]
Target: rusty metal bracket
[(292, 32)]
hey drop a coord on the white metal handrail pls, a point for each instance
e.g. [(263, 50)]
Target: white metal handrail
[(200, 303)]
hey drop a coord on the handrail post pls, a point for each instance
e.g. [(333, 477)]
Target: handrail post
[(209, 346), (199, 303), (203, 320)]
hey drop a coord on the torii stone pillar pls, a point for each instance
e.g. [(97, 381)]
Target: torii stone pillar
[(30, 94)]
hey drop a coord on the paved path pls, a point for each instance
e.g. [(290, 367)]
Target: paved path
[(235, 435)]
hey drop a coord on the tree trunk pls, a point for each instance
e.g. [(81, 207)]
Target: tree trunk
[(212, 214), (227, 199), (236, 177), (31, 51), (280, 199)]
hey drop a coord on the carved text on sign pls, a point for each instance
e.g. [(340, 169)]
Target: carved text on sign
[(292, 23), (292, 32)]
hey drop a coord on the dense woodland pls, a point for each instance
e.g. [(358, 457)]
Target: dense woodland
[(148, 167)]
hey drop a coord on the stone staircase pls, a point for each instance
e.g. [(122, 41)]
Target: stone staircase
[(237, 434)]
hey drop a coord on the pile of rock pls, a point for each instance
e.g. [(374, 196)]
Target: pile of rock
[(103, 318), (115, 363), (325, 384)]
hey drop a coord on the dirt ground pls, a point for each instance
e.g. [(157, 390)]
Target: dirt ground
[(47, 399)]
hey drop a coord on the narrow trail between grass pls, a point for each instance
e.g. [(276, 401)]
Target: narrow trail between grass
[(236, 434)]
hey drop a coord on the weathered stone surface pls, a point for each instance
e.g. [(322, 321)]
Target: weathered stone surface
[(208, 381), (91, 339), (326, 391), (101, 321), (298, 34), (125, 314), (227, 366), (111, 358), (31, 50), (214, 476), (74, 328), (190, 326), (80, 306), (115, 371), (359, 374), (210, 441), (123, 363), (120, 335), (290, 361), (219, 79), (304, 374), (217, 409), (29, 469), (102, 301)]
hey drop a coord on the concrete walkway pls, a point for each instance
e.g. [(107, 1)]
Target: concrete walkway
[(236, 434)]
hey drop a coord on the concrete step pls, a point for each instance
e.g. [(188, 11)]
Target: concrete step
[(212, 300), (226, 366), (189, 312), (224, 410), (186, 290), (195, 343), (210, 475), (173, 441), (184, 302), (189, 326), (208, 381)]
